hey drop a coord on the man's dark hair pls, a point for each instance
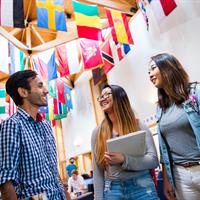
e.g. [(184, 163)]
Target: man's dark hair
[(17, 80)]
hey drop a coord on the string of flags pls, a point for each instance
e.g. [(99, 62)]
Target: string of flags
[(97, 54)]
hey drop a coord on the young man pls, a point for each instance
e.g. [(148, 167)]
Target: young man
[(76, 183), (28, 162), (70, 167)]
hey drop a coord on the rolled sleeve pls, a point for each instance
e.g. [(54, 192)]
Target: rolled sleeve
[(9, 151)]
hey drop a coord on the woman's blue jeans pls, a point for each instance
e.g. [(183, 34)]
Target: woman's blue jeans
[(136, 188)]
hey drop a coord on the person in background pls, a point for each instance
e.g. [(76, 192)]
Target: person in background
[(178, 116), (91, 173), (115, 175), (70, 167), (28, 159), (76, 183)]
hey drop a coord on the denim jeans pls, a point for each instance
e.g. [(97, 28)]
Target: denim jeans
[(187, 181), (136, 188)]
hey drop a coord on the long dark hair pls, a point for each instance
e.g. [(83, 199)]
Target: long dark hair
[(175, 80), (125, 119)]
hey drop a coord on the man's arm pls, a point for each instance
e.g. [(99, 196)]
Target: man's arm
[(9, 156), (8, 191)]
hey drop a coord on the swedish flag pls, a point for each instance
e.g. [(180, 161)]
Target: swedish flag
[(51, 15)]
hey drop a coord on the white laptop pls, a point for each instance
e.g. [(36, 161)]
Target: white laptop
[(131, 144)]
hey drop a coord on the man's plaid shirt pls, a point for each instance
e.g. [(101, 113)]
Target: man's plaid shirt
[(28, 157)]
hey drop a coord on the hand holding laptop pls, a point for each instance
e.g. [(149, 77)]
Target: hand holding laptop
[(114, 158), (131, 144)]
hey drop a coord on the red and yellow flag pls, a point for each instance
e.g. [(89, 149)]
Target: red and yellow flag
[(119, 26)]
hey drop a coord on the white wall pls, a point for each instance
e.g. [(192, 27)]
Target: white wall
[(178, 34), (80, 122)]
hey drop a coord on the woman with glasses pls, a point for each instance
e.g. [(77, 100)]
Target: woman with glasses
[(118, 176), (178, 116)]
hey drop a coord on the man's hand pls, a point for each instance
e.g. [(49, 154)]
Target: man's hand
[(114, 158), (8, 191), (168, 192), (167, 188)]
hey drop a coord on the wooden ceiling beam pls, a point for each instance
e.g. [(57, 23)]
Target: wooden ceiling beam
[(3, 77), (15, 31), (125, 7), (14, 40), (69, 37), (28, 37), (28, 11), (37, 34)]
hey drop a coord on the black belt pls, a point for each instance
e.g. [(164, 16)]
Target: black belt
[(188, 164)]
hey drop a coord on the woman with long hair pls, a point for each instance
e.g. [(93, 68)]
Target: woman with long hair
[(178, 116), (118, 176)]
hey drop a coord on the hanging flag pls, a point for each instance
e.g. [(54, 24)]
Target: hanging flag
[(68, 97), (107, 57), (12, 13), (122, 50), (67, 56), (51, 15), (119, 26), (141, 5), (50, 114), (16, 59), (162, 8), (12, 108), (63, 67), (2, 109), (52, 72), (60, 110), (87, 21), (98, 75), (46, 71), (2, 93), (60, 91), (2, 101), (52, 88), (4, 60), (91, 54)]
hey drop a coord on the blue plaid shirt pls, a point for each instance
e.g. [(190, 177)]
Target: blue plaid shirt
[(28, 157)]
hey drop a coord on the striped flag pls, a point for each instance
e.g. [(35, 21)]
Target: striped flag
[(12, 13), (162, 8), (2, 101), (60, 91), (107, 57), (51, 15), (4, 59), (60, 110), (50, 114), (87, 21), (12, 108), (122, 50), (119, 26), (91, 54), (46, 70), (141, 5), (16, 59)]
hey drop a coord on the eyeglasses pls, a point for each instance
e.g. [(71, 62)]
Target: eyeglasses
[(105, 96)]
